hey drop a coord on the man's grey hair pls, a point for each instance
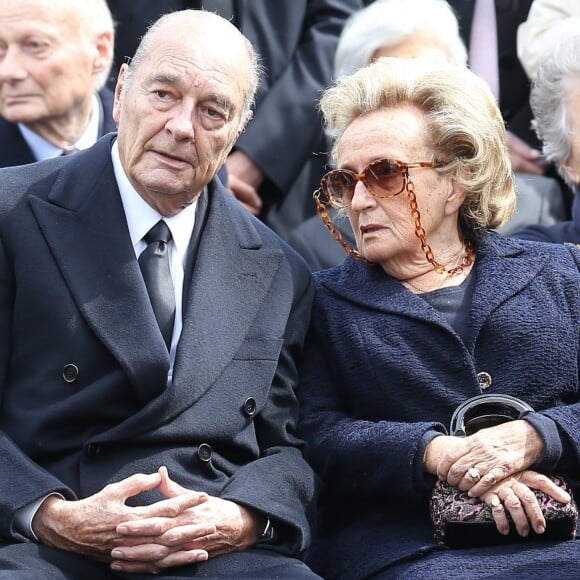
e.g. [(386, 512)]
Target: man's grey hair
[(147, 45), (557, 73)]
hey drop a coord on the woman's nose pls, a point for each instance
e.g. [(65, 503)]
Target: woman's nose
[(362, 198)]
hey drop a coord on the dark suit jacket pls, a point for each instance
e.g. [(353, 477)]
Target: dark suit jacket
[(71, 293), (15, 151), (513, 81), (296, 40)]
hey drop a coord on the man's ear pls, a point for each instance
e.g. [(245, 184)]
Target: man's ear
[(245, 124), (104, 46), (118, 88)]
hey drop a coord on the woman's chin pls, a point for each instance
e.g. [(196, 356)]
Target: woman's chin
[(375, 251)]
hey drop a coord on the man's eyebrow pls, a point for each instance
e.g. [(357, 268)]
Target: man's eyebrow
[(223, 102), (172, 79), (164, 78)]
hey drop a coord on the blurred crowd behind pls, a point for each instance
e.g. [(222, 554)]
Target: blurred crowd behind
[(304, 45)]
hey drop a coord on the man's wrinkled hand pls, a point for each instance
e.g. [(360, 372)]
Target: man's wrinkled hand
[(525, 159), (205, 530), (89, 526), (244, 180)]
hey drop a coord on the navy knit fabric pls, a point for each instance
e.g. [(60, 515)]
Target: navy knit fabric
[(383, 368)]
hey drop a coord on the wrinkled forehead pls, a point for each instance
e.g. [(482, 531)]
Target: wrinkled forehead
[(197, 63), (39, 16)]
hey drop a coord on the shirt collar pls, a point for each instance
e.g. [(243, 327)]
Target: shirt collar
[(141, 217), (43, 149)]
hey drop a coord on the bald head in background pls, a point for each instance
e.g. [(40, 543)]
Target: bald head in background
[(54, 56)]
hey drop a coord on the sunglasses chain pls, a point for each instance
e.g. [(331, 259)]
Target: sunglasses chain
[(335, 233)]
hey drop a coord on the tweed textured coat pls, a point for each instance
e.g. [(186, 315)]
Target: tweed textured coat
[(382, 368)]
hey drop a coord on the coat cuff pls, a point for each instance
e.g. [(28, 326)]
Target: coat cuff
[(425, 481), (548, 430)]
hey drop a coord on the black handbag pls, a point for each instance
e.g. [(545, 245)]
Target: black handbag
[(463, 521)]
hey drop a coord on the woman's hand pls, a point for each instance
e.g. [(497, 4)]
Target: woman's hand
[(490, 456), (514, 495)]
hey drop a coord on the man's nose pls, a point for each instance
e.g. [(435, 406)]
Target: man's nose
[(12, 66), (181, 123)]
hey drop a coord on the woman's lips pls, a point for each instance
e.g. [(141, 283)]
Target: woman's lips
[(370, 229)]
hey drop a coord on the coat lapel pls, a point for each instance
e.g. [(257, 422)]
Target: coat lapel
[(497, 268), (231, 277), (230, 280), (84, 224), (370, 287), (500, 276)]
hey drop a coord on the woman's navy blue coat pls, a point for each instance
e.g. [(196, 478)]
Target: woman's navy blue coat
[(382, 368)]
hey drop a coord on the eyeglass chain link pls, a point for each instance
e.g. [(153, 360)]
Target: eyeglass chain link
[(336, 234)]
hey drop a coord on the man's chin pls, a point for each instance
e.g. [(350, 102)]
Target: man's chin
[(22, 111), (167, 200)]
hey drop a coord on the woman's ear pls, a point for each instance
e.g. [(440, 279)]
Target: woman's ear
[(455, 197)]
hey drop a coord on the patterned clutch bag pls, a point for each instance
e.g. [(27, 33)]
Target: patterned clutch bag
[(461, 521)]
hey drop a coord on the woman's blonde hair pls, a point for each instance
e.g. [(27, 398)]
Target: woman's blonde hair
[(464, 123)]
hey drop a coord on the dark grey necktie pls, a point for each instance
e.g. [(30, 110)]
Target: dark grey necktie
[(154, 263)]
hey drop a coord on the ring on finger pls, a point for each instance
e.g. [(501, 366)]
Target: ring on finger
[(496, 504), (474, 474), (490, 478)]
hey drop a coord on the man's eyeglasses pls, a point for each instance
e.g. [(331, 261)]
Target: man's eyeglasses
[(383, 178)]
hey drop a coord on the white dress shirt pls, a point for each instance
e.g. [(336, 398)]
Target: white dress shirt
[(43, 149), (141, 217)]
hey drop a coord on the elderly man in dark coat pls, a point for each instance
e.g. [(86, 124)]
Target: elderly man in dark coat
[(149, 331)]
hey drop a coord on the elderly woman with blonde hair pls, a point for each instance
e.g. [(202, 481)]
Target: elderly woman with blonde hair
[(432, 308)]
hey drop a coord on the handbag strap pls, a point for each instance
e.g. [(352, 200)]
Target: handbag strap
[(485, 411)]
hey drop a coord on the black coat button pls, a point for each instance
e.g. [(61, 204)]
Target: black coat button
[(93, 449), (70, 373), (204, 451), (250, 406)]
